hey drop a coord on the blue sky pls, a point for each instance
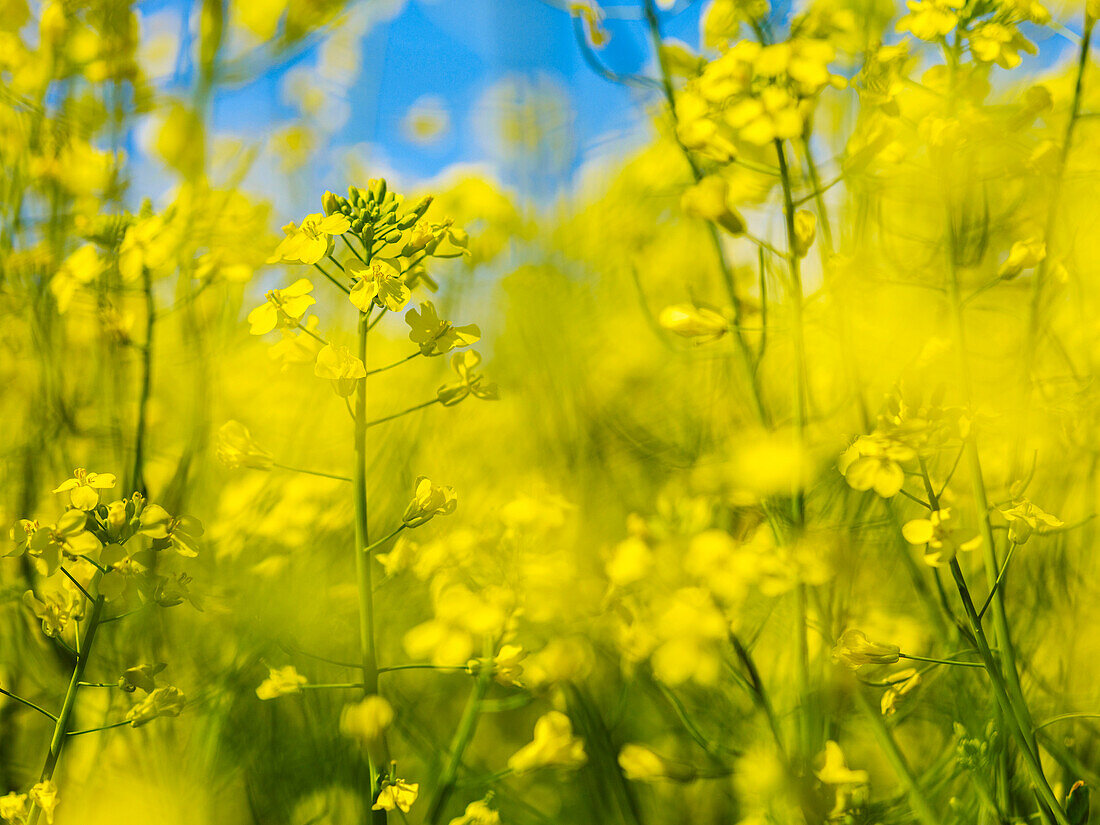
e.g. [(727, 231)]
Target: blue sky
[(457, 52)]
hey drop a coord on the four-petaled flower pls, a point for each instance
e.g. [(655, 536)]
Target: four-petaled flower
[(853, 649), (341, 367), (435, 336), (1024, 518), (310, 242), (181, 532), (379, 283), (282, 307), (429, 501), (396, 794), (56, 610), (83, 488), (165, 701), (471, 383), (554, 745), (941, 538)]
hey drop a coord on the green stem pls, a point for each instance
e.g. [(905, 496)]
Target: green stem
[(97, 730), (394, 364), (61, 728), (136, 482), (940, 661), (1000, 576), (383, 420), (370, 548), (896, 758), (335, 282), (1064, 716), (1016, 718), (363, 571), (311, 472), (467, 724), (28, 703)]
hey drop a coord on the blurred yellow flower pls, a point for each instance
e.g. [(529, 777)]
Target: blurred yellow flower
[(941, 539), (44, 795), (554, 745), (282, 307), (853, 649), (342, 368), (281, 681), (396, 794), (236, 448), (429, 500)]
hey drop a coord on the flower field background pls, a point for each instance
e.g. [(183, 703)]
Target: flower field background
[(500, 411)]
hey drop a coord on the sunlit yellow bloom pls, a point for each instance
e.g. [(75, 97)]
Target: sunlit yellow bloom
[(180, 532), (310, 242), (805, 230), (79, 269), (83, 488), (640, 764), (342, 368), (396, 794), (709, 199), (367, 720), (282, 307), (874, 462), (477, 813), (165, 701), (941, 538), (236, 448), (140, 676), (379, 284), (853, 649), (554, 745), (13, 808), (931, 19), (435, 336), (901, 683), (1001, 44), (281, 681), (508, 665), (702, 324), (1024, 518), (1023, 255), (835, 771), (44, 795), (688, 628), (470, 382), (47, 543), (429, 501), (56, 610), (631, 561)]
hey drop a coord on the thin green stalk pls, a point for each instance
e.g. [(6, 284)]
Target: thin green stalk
[(919, 802), (28, 703), (940, 661), (464, 733), (363, 562), (1016, 718), (102, 727), (370, 548), (310, 472), (384, 419), (395, 363), (61, 728), (137, 473)]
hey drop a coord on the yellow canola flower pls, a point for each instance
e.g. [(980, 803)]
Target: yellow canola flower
[(853, 649), (181, 532), (396, 794), (901, 683), (1024, 254), (805, 230), (281, 681), (56, 610), (835, 771), (380, 284), (701, 324), (367, 720), (435, 336), (999, 43), (282, 307), (429, 500), (1024, 518), (310, 242), (83, 488), (477, 813), (46, 543), (164, 701), (13, 808), (79, 269), (940, 537), (44, 795), (554, 745), (236, 448), (931, 19), (470, 381), (640, 764), (709, 199), (342, 368), (874, 462)]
